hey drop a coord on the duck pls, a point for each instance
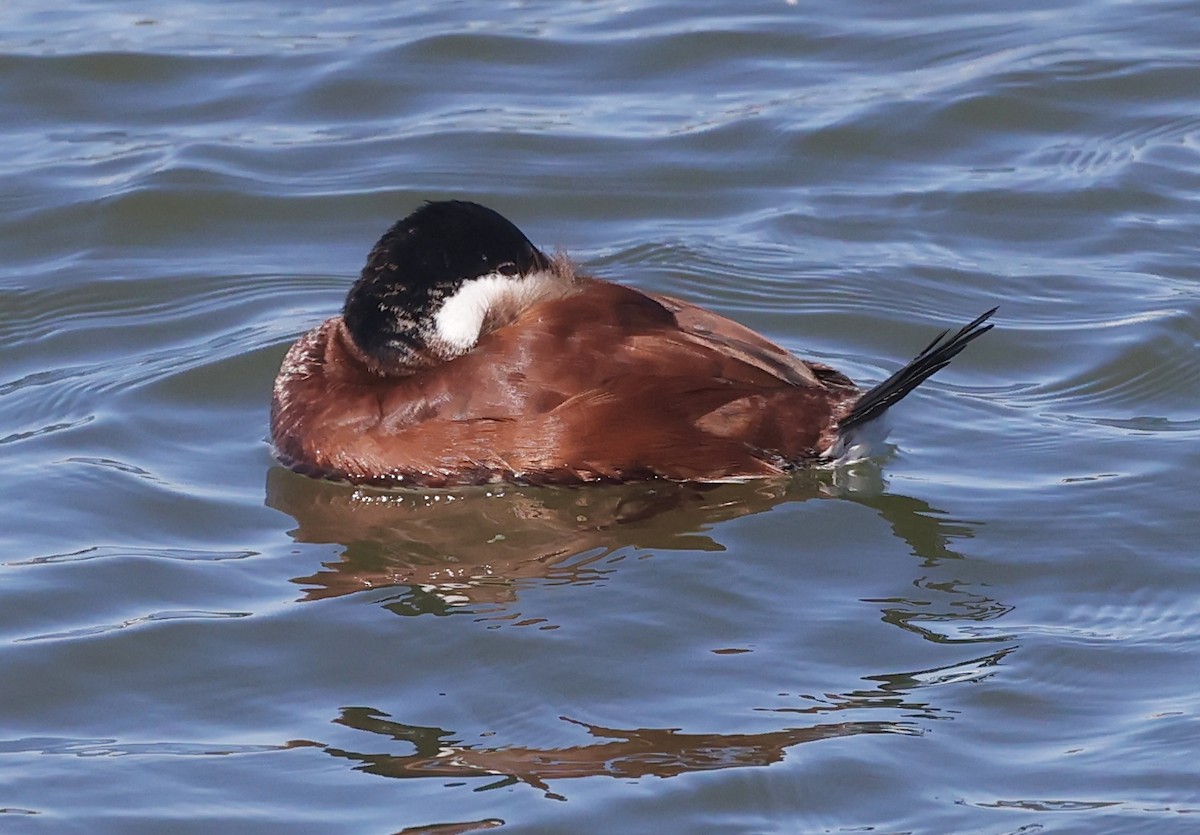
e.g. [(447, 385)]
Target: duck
[(464, 355)]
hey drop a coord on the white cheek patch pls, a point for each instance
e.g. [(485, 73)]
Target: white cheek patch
[(458, 322)]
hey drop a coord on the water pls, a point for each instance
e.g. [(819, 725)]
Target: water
[(994, 630)]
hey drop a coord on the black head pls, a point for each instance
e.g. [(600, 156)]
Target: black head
[(422, 260)]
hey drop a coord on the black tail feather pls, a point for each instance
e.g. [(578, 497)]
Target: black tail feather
[(936, 356)]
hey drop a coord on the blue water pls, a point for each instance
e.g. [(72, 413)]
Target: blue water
[(996, 628)]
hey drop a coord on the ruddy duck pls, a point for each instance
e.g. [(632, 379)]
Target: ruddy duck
[(465, 355)]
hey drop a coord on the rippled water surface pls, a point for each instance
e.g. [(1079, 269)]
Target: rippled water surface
[(995, 629)]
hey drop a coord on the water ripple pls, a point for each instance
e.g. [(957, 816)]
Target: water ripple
[(153, 617), (103, 552), (117, 748)]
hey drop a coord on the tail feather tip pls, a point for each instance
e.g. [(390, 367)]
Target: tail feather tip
[(853, 442)]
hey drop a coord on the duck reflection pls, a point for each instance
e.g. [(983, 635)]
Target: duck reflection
[(470, 547), (646, 752), (476, 545), (625, 754)]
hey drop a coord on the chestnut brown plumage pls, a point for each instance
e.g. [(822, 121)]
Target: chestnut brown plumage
[(465, 356)]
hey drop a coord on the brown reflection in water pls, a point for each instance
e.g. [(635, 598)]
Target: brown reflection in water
[(473, 545), (453, 828), (477, 545), (626, 754), (648, 752)]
